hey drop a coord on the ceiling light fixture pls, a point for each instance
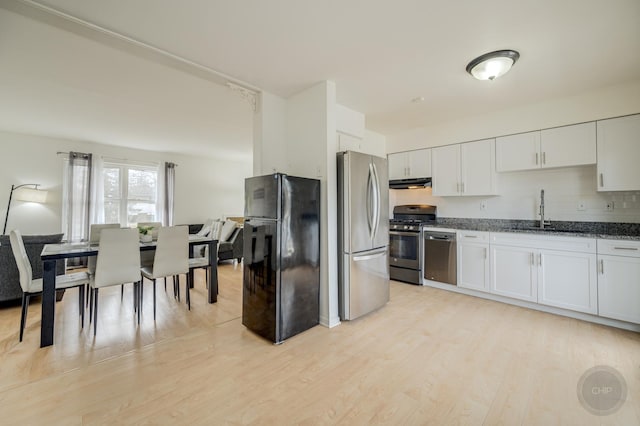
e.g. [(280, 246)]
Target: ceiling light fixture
[(492, 65)]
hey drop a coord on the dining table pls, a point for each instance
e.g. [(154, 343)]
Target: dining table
[(52, 253)]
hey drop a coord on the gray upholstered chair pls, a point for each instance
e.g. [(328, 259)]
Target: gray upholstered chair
[(33, 287), (9, 275)]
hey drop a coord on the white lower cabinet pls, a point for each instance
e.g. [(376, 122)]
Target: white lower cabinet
[(513, 272), (552, 271), (594, 276), (568, 280), (473, 260), (619, 280)]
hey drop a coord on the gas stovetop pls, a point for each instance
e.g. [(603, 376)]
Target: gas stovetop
[(410, 217), (408, 225)]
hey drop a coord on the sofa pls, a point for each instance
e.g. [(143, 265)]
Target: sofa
[(232, 248), (10, 277), (229, 249)]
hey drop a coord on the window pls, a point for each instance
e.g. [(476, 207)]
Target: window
[(130, 193)]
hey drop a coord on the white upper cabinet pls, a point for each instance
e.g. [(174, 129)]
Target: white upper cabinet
[(446, 170), (559, 147), (410, 164), (518, 152), (349, 143), (349, 121), (568, 146), (619, 154), (464, 169), (478, 175)]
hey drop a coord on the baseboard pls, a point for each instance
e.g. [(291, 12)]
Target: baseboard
[(535, 306), (325, 321)]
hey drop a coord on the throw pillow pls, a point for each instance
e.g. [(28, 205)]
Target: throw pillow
[(215, 230), (227, 230), (206, 228)]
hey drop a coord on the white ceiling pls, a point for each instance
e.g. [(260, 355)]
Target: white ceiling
[(380, 53)]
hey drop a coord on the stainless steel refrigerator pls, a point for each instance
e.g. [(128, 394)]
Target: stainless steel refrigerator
[(281, 272), (363, 234)]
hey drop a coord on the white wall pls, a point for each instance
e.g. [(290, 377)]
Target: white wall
[(598, 104), (519, 198), (204, 187), (301, 140), (311, 152)]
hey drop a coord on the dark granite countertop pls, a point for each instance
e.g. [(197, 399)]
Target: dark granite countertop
[(608, 230)]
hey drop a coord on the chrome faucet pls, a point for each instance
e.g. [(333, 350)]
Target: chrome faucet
[(543, 223)]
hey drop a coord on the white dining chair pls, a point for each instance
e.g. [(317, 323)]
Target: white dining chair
[(117, 263), (94, 238), (171, 258), (196, 263), (33, 287)]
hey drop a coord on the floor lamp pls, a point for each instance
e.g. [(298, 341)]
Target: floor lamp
[(26, 194)]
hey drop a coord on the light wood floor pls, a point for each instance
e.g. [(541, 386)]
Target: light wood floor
[(428, 357)]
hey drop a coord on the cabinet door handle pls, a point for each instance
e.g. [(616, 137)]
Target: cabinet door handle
[(536, 158), (601, 180), (531, 259), (540, 259), (626, 248), (462, 186), (601, 267), (544, 158), (485, 252)]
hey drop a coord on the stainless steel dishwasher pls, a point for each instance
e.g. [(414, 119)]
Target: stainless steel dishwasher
[(440, 257)]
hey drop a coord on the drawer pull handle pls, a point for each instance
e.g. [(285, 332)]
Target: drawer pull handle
[(626, 248), (471, 236)]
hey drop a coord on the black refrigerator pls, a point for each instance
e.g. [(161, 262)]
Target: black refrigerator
[(281, 273)]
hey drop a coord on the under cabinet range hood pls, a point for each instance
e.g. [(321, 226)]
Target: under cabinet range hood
[(413, 183)]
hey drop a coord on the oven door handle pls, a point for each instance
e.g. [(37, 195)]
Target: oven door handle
[(435, 237), (407, 233)]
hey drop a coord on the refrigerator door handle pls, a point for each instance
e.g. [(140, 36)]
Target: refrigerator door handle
[(370, 256), (376, 186), (370, 197)]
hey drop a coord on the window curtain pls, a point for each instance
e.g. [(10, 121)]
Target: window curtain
[(97, 191), (76, 201), (169, 191)]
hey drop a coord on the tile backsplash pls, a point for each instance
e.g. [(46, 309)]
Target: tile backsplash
[(570, 195)]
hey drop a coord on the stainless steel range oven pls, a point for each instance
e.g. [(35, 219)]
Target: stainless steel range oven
[(405, 256)]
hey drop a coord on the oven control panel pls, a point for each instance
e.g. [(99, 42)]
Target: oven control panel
[(404, 227)]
